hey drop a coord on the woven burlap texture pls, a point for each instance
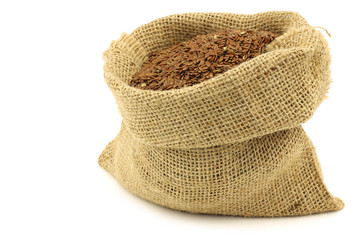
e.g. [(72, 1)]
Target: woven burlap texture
[(232, 145)]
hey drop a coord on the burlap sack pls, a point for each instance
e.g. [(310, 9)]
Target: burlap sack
[(232, 145)]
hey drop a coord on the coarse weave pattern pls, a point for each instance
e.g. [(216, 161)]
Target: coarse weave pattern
[(231, 145)]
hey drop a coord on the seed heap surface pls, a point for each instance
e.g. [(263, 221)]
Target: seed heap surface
[(200, 58)]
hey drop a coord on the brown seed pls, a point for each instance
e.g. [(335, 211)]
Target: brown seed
[(200, 58)]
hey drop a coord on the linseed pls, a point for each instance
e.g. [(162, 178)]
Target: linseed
[(200, 58)]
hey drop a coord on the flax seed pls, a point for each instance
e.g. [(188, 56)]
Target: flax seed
[(199, 59)]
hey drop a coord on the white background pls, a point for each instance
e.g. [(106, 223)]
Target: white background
[(57, 115)]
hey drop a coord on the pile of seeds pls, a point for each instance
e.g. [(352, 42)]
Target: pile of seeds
[(202, 57)]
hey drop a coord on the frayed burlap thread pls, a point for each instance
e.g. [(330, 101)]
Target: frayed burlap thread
[(232, 145)]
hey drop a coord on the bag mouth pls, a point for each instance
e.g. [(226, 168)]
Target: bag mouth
[(250, 100)]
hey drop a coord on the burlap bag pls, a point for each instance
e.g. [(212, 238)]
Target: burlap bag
[(232, 145)]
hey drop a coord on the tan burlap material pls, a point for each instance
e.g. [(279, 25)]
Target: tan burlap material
[(232, 145)]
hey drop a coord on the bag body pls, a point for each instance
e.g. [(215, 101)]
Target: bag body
[(231, 145)]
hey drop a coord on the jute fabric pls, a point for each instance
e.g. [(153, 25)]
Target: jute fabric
[(234, 144)]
